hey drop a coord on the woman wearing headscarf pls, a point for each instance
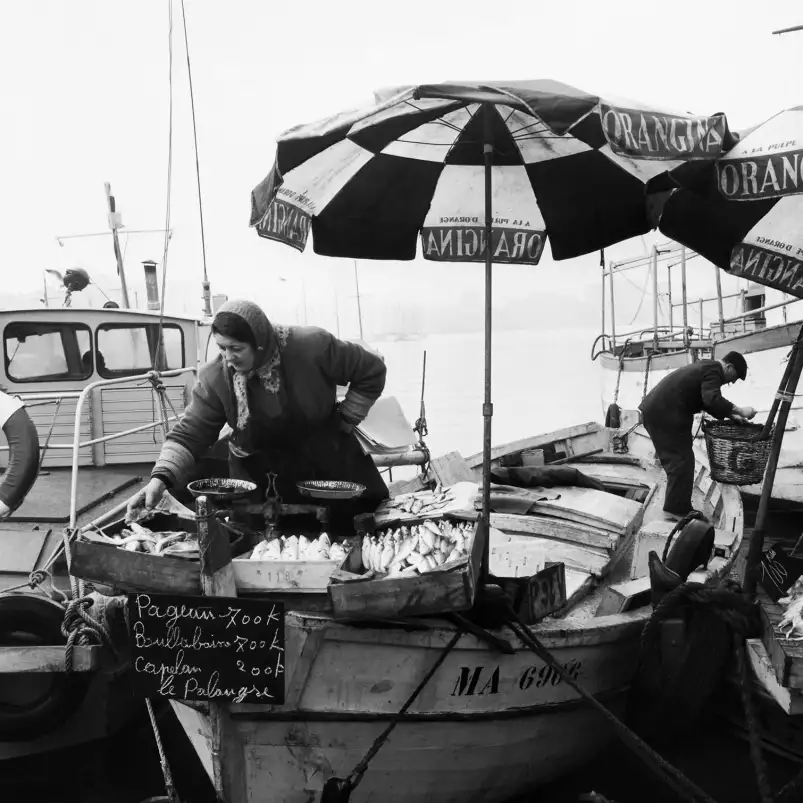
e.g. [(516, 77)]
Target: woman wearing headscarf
[(275, 386)]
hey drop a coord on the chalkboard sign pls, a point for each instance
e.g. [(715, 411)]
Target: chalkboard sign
[(207, 648)]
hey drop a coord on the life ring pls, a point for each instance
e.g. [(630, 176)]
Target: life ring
[(26, 619), (23, 455)]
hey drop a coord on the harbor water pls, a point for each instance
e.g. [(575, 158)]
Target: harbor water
[(541, 381)]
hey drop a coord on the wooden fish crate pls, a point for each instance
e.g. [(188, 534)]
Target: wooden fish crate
[(292, 576), (442, 590), (101, 562), (95, 560)]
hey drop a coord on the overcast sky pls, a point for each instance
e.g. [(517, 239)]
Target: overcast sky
[(85, 100)]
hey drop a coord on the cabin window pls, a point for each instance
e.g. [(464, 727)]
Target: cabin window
[(124, 350), (36, 351)]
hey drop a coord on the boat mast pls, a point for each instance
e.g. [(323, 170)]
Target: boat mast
[(114, 224)]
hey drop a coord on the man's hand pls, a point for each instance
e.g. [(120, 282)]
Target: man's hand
[(743, 414), (5, 510), (145, 500)]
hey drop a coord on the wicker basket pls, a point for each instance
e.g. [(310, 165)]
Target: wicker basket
[(736, 455)]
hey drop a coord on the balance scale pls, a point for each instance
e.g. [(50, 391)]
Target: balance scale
[(273, 509)]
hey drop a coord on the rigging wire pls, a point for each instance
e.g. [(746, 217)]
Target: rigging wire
[(195, 140), (158, 345)]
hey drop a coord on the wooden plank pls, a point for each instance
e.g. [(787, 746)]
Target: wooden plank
[(791, 702), (47, 659), (549, 527), (524, 555), (622, 597), (451, 468), (536, 441), (589, 506), (20, 550)]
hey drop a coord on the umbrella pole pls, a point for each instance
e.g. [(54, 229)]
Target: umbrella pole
[(487, 407)]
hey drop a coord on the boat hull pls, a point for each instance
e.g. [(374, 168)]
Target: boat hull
[(486, 727), (423, 761)]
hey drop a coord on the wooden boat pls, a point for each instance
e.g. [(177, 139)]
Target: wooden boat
[(488, 726), (631, 363)]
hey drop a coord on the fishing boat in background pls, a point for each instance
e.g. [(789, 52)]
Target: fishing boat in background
[(763, 328), (487, 720)]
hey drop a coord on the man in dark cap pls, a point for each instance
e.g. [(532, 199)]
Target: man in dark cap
[(668, 412)]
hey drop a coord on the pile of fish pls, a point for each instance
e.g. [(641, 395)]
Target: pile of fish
[(791, 625), (136, 538), (420, 503), (299, 547), (410, 550)]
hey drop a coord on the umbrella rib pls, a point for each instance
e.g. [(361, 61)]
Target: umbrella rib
[(438, 120)]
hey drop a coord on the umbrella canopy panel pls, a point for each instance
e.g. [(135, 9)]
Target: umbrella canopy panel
[(567, 165), (744, 212)]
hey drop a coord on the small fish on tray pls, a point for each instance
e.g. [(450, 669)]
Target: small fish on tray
[(136, 538), (420, 503), (410, 551), (296, 547)]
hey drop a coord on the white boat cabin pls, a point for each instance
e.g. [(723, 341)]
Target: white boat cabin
[(51, 355)]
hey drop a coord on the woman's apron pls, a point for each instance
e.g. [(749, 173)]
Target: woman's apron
[(286, 445)]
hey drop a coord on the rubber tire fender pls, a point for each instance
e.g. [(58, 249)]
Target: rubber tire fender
[(41, 617), (23, 458), (693, 547)]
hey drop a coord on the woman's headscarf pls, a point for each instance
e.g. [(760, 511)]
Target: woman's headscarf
[(237, 319)]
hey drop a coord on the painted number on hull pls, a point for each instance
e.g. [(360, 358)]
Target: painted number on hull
[(475, 681), (539, 676)]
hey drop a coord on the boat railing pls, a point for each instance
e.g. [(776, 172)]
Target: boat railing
[(694, 330), (80, 397)]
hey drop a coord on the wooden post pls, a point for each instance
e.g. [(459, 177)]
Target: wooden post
[(114, 225), (602, 330), (669, 293), (683, 299), (613, 308), (217, 580), (757, 538), (655, 298), (719, 300)]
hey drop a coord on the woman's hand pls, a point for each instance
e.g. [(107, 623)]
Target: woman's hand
[(145, 499)]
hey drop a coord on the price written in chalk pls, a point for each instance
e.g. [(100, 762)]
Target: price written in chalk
[(207, 648)]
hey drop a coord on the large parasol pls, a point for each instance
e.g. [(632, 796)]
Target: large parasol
[(744, 211), (461, 165)]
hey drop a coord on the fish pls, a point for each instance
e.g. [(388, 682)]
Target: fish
[(290, 548), (337, 552), (386, 556)]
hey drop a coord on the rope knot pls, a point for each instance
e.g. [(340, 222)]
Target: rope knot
[(81, 629), (37, 578)]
